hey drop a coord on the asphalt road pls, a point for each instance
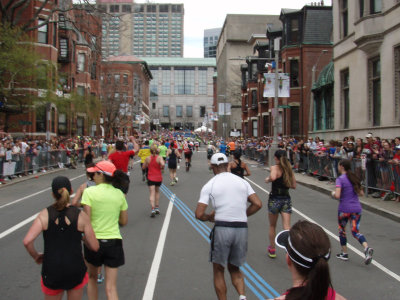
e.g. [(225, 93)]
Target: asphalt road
[(167, 257)]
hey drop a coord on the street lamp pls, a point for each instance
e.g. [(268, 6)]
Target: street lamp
[(311, 111)]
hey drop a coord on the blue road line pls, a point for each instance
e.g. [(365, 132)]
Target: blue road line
[(204, 231)]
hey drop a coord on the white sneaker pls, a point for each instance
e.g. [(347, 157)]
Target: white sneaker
[(176, 179)]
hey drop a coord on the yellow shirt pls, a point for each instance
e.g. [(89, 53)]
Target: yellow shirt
[(144, 153)]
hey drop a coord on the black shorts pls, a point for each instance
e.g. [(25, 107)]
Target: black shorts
[(188, 155), (110, 254), (156, 183)]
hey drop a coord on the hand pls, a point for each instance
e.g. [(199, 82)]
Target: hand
[(266, 180), (211, 216), (333, 193), (39, 259)]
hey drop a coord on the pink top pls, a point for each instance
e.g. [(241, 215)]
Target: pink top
[(154, 170), (330, 296)]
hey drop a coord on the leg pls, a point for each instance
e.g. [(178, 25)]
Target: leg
[(152, 189), (342, 222), (55, 297), (355, 225), (92, 290), (156, 196), (111, 283), (273, 218), (75, 294), (237, 278), (219, 281), (285, 220)]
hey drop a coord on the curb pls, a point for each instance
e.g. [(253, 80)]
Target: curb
[(25, 178)]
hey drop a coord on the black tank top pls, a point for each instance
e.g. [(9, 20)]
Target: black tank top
[(239, 171), (279, 188), (172, 157), (63, 265)]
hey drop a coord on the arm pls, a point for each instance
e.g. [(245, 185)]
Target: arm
[(146, 163), (89, 238), (161, 162), (229, 167), (336, 193), (135, 144), (246, 168), (78, 195), (201, 215), (272, 176), (32, 234), (123, 217), (255, 204)]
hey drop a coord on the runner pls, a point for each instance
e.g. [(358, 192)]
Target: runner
[(188, 152), (108, 210), (63, 267), (348, 187), (155, 164), (120, 158), (308, 250), (229, 195), (144, 152), (173, 156), (163, 152), (279, 202), (238, 167)]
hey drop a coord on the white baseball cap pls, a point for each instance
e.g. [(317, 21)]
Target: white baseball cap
[(369, 135), (219, 158)]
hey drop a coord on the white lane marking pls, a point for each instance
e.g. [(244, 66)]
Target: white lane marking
[(151, 280), (19, 225), (334, 236), (34, 194)]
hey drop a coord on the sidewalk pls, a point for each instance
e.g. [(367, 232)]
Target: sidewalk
[(388, 209)]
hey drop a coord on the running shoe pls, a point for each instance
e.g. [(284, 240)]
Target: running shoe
[(271, 252), (343, 256), (176, 179), (368, 255), (157, 211), (143, 178), (172, 183), (153, 213), (100, 278)]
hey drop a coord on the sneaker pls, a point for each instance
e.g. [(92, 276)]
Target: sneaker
[(176, 179), (100, 278), (153, 213), (157, 211), (271, 252), (143, 178), (342, 256), (172, 183), (368, 255)]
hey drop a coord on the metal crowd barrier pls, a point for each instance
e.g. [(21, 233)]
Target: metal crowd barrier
[(23, 164), (261, 156)]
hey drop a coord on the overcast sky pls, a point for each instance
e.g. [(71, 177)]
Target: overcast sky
[(207, 14)]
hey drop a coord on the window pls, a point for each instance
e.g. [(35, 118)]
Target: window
[(41, 118), (178, 111), (117, 79), (202, 111), (184, 81), (329, 110), (81, 62), (42, 32), (93, 71), (80, 90), (189, 111), (126, 8), (375, 6), (163, 8), (62, 124), (345, 87), (361, 7), (125, 79), (345, 20), (108, 78), (165, 111), (255, 128), (254, 98), (294, 73), (153, 105), (294, 120), (397, 83), (63, 48), (154, 84), (114, 8), (375, 90), (294, 31), (202, 73)]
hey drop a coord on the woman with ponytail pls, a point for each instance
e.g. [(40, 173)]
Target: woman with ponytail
[(237, 166), (63, 267), (348, 187), (282, 178), (307, 253)]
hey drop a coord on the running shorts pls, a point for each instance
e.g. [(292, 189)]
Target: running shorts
[(188, 154), (279, 204), (51, 292), (110, 254), (230, 246), (156, 183)]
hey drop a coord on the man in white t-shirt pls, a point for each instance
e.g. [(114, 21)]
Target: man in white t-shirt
[(229, 195)]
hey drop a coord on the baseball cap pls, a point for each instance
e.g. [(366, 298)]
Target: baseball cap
[(369, 135), (282, 240), (104, 166), (219, 158), (397, 147), (60, 182)]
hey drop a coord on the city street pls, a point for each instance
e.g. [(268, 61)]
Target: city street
[(167, 257)]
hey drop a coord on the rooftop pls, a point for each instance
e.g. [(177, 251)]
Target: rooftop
[(180, 61)]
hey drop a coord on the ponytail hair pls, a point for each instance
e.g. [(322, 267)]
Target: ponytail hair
[(62, 199), (353, 178), (120, 181), (287, 172), (311, 241)]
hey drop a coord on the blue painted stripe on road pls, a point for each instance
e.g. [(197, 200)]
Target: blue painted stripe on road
[(200, 227)]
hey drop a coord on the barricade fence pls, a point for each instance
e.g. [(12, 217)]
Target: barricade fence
[(377, 176), (31, 163)]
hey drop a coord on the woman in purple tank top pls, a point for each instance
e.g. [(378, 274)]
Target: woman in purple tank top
[(348, 187)]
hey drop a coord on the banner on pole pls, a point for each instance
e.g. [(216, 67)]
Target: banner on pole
[(283, 85)]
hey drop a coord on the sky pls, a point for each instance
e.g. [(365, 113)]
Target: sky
[(207, 14)]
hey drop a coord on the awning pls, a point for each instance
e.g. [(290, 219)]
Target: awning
[(326, 77)]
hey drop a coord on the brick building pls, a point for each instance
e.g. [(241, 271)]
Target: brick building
[(125, 96)]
